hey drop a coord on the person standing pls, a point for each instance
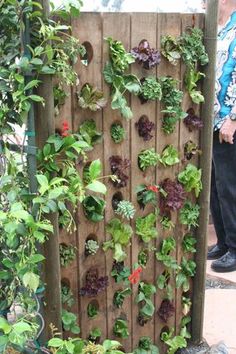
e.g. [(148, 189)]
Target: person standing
[(223, 182)]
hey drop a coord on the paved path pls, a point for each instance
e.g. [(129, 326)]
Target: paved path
[(220, 306)]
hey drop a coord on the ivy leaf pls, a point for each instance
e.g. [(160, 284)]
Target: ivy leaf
[(31, 280), (95, 169), (97, 186), (55, 342)]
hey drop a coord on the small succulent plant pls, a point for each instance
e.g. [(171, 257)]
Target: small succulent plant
[(125, 209), (91, 247)]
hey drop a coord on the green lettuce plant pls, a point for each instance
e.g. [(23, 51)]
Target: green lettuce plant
[(190, 177), (173, 342), (169, 156), (121, 234), (145, 227), (67, 297), (120, 328), (92, 98), (92, 310), (186, 271), (145, 346), (145, 293), (88, 132), (120, 295)]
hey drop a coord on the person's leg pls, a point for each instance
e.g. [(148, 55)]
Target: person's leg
[(216, 212), (224, 159)]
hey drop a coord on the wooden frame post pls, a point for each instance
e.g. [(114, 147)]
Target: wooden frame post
[(45, 126), (205, 164)]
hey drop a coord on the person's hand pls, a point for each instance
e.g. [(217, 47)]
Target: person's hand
[(227, 131)]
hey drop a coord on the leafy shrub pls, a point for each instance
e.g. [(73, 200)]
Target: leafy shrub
[(117, 133)]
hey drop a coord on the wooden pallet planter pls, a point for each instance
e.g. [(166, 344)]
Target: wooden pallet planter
[(129, 29)]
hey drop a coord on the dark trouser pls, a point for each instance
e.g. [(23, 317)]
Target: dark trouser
[(223, 192)]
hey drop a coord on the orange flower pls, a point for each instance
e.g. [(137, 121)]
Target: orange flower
[(135, 276), (152, 188), (65, 128)]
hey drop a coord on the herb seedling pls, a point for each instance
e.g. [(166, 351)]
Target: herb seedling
[(92, 310), (166, 310), (190, 149), (69, 322), (125, 209), (67, 297), (117, 133), (88, 132), (67, 254), (146, 195), (120, 272), (186, 270), (145, 346), (189, 243), (150, 89), (189, 214), (147, 158), (94, 335)]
